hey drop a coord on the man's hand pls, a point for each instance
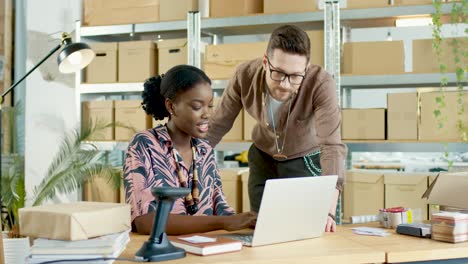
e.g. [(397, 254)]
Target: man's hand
[(331, 224)]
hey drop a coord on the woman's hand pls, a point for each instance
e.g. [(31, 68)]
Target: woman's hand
[(331, 224), (240, 221)]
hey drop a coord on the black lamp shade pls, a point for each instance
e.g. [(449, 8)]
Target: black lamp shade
[(74, 57)]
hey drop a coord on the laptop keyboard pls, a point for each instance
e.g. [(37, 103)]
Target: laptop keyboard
[(246, 239)]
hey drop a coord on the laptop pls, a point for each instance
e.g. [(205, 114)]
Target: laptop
[(291, 209)]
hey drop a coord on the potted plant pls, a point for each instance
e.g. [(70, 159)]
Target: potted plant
[(76, 161)]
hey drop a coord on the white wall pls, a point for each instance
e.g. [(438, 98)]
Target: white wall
[(50, 96)]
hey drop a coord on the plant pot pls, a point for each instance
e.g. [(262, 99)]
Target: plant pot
[(16, 250)]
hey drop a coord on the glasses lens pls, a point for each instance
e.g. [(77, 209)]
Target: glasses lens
[(277, 76), (296, 79)]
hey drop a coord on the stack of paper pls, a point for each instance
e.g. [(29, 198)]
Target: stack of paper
[(450, 226), (108, 246), (370, 231)]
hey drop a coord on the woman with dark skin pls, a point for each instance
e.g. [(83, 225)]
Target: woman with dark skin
[(176, 155)]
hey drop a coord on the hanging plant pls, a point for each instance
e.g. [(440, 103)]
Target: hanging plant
[(457, 46)]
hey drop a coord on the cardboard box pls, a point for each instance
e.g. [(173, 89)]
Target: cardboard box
[(428, 127), (176, 9), (232, 187), (171, 53), (137, 61), (222, 60), (74, 221), (449, 189), (316, 47), (99, 112), (351, 4), (406, 189), (159, 122), (249, 123), (425, 59), (112, 12), (379, 57), (291, 6), (363, 123), (402, 116), (237, 131), (130, 113), (103, 69), (363, 193), (100, 189), (412, 2), (229, 8), (245, 192)]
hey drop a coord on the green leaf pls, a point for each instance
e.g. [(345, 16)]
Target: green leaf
[(437, 113)]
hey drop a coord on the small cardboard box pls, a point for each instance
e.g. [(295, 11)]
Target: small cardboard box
[(171, 53), (363, 193), (137, 61), (232, 187), (291, 6), (406, 189), (103, 69), (402, 116), (363, 123), (316, 47), (229, 8), (100, 189), (365, 58), (100, 112), (112, 12), (425, 59), (245, 192), (130, 113), (159, 122), (412, 2), (350, 4), (249, 123), (222, 60), (74, 221), (237, 130), (428, 127), (449, 189), (176, 9)]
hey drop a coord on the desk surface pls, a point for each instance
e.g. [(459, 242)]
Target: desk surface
[(327, 249), (340, 247)]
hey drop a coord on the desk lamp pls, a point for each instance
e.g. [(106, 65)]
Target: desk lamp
[(158, 247)]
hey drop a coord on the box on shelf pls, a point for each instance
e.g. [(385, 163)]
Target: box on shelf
[(363, 193), (245, 191), (406, 189), (350, 4), (130, 113), (237, 131), (363, 123), (103, 69), (99, 112), (378, 57), (176, 9), (449, 189), (74, 221), (412, 2), (316, 47), (229, 8), (402, 116), (114, 12), (428, 127), (249, 123), (171, 52), (232, 186), (291, 6), (100, 189), (137, 60), (159, 122), (425, 60), (222, 60)]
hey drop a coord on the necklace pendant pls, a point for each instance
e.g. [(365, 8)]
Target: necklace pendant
[(280, 156)]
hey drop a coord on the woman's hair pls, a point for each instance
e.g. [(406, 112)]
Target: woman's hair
[(178, 79), (290, 39)]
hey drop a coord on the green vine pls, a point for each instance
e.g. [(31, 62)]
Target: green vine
[(458, 15)]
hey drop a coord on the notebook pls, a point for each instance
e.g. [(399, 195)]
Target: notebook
[(203, 245)]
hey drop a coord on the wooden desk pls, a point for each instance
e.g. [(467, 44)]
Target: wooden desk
[(401, 248), (330, 248)]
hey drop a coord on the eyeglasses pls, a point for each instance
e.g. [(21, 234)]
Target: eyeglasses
[(279, 76)]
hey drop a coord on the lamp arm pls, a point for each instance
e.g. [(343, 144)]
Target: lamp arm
[(29, 72)]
